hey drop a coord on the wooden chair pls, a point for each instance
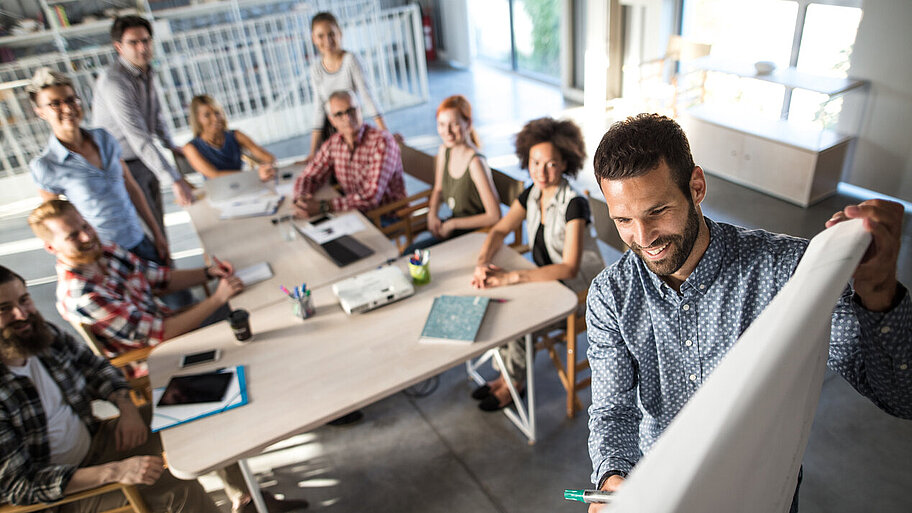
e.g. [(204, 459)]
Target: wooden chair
[(605, 229), (569, 367), (136, 503), (411, 218), (508, 189), (140, 387), (663, 87)]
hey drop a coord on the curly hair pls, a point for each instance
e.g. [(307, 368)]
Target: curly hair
[(564, 135), (638, 144)]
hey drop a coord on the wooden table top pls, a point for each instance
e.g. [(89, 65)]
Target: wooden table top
[(304, 373), (251, 240)]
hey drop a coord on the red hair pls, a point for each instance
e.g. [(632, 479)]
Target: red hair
[(461, 104)]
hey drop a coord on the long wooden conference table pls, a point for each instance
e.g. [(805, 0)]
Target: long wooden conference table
[(303, 373)]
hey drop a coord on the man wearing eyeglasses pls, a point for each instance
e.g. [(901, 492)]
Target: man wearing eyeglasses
[(86, 166), (365, 161), (127, 106)]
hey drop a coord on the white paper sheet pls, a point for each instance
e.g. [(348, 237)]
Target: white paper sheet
[(248, 206), (254, 273), (333, 228), (737, 444)]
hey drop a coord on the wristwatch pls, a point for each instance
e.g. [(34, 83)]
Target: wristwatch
[(324, 207)]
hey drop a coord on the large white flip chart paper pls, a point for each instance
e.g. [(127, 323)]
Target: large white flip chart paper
[(738, 443)]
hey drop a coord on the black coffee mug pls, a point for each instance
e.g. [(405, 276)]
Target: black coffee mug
[(240, 325)]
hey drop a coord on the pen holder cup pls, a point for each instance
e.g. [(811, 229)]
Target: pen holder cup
[(303, 307), (421, 273)]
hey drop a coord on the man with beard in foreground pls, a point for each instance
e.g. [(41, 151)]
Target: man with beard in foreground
[(116, 293), (51, 443), (662, 318)]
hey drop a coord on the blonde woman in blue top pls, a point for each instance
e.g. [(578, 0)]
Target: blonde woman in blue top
[(216, 151)]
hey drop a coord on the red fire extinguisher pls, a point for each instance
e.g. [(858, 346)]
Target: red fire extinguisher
[(430, 51)]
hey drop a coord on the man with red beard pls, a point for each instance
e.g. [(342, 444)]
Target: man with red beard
[(662, 318), (51, 443), (116, 293)]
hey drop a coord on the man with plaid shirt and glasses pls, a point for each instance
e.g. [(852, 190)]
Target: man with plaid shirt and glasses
[(364, 160)]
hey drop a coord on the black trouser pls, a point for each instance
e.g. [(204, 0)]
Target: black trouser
[(151, 187)]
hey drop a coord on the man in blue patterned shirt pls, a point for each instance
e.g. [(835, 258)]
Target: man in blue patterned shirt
[(662, 317)]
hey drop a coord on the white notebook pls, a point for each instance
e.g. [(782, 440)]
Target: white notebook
[(254, 273)]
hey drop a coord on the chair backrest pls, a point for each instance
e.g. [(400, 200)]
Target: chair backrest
[(681, 49), (417, 163), (134, 499), (127, 362), (508, 188), (183, 165), (604, 225)]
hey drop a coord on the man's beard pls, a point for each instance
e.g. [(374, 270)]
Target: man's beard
[(679, 246), (88, 253), (12, 344)]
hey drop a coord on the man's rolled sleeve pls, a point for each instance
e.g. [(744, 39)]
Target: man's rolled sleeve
[(123, 108), (614, 416), (21, 482), (384, 161), (316, 173), (118, 321), (873, 351)]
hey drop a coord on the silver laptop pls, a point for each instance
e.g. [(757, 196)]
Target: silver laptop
[(373, 289), (229, 187)]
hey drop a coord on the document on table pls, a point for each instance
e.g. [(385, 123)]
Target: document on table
[(737, 444), (248, 206), (254, 273), (164, 417), (333, 228)]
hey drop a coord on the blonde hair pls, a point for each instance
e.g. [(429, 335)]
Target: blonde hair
[(46, 77), (50, 209), (195, 104)]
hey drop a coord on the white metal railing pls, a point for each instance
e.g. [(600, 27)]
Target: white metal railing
[(257, 68)]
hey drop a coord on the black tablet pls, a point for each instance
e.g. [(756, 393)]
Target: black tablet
[(196, 388)]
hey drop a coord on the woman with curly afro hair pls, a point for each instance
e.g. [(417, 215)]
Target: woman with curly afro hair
[(557, 223)]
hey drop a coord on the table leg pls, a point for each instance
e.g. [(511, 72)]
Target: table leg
[(523, 416), (252, 486)]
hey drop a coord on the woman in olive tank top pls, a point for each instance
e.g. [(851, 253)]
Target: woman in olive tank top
[(462, 178)]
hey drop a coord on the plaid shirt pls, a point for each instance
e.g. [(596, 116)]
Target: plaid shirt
[(370, 175), (26, 474), (118, 304)]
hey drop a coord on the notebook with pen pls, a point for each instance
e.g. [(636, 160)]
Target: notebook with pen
[(454, 319), (194, 396)]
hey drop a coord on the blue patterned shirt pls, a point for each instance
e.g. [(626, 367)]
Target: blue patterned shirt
[(650, 348)]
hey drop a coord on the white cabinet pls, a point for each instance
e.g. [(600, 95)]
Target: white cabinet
[(795, 174), (798, 162)]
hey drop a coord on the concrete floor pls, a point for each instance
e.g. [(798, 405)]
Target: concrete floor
[(440, 453)]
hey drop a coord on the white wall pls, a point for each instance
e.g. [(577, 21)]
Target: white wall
[(883, 156), (454, 32)]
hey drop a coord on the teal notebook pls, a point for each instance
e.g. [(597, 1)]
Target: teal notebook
[(454, 319)]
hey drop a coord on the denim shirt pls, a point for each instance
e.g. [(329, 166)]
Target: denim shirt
[(98, 194), (651, 348)]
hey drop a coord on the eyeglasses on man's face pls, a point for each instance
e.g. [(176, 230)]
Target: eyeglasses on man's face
[(72, 102), (350, 112)]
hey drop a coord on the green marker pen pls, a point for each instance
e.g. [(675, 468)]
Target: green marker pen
[(588, 496)]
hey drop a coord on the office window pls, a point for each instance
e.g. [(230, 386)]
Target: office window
[(522, 35), (826, 47)]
